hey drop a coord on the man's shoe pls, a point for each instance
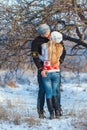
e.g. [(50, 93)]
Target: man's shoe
[(61, 111), (57, 114), (41, 115)]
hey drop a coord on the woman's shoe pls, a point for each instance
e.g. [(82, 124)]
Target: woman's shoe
[(52, 115)]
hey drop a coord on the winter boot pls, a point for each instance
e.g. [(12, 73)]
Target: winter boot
[(60, 111), (40, 106), (41, 114), (55, 103), (50, 108)]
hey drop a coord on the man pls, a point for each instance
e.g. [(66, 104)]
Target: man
[(44, 31)]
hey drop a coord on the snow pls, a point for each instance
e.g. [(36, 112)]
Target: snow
[(18, 103)]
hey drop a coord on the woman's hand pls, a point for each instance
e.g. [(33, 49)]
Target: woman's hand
[(43, 73)]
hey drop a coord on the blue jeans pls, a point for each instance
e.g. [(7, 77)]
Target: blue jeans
[(41, 94), (52, 84)]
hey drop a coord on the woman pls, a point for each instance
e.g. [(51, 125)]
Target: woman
[(51, 53)]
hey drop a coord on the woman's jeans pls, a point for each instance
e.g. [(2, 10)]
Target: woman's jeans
[(41, 94), (52, 84)]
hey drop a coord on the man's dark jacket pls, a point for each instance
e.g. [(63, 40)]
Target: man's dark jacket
[(36, 49)]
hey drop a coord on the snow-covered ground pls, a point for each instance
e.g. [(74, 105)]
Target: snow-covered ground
[(18, 102)]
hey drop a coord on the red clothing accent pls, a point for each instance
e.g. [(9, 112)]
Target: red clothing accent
[(47, 66)]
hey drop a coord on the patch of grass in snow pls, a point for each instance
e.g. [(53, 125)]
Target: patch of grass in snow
[(3, 113), (11, 115), (80, 122), (32, 121)]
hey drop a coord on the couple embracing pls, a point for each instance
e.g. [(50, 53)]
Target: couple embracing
[(51, 53)]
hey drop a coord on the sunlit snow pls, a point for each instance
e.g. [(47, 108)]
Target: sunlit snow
[(19, 98)]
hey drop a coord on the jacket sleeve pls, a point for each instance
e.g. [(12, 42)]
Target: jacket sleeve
[(35, 54), (63, 54)]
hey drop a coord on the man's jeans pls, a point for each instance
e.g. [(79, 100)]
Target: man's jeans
[(41, 94), (52, 84)]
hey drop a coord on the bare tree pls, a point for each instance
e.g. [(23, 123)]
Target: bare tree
[(18, 22)]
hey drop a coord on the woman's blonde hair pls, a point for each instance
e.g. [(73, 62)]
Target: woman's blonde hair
[(54, 51)]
